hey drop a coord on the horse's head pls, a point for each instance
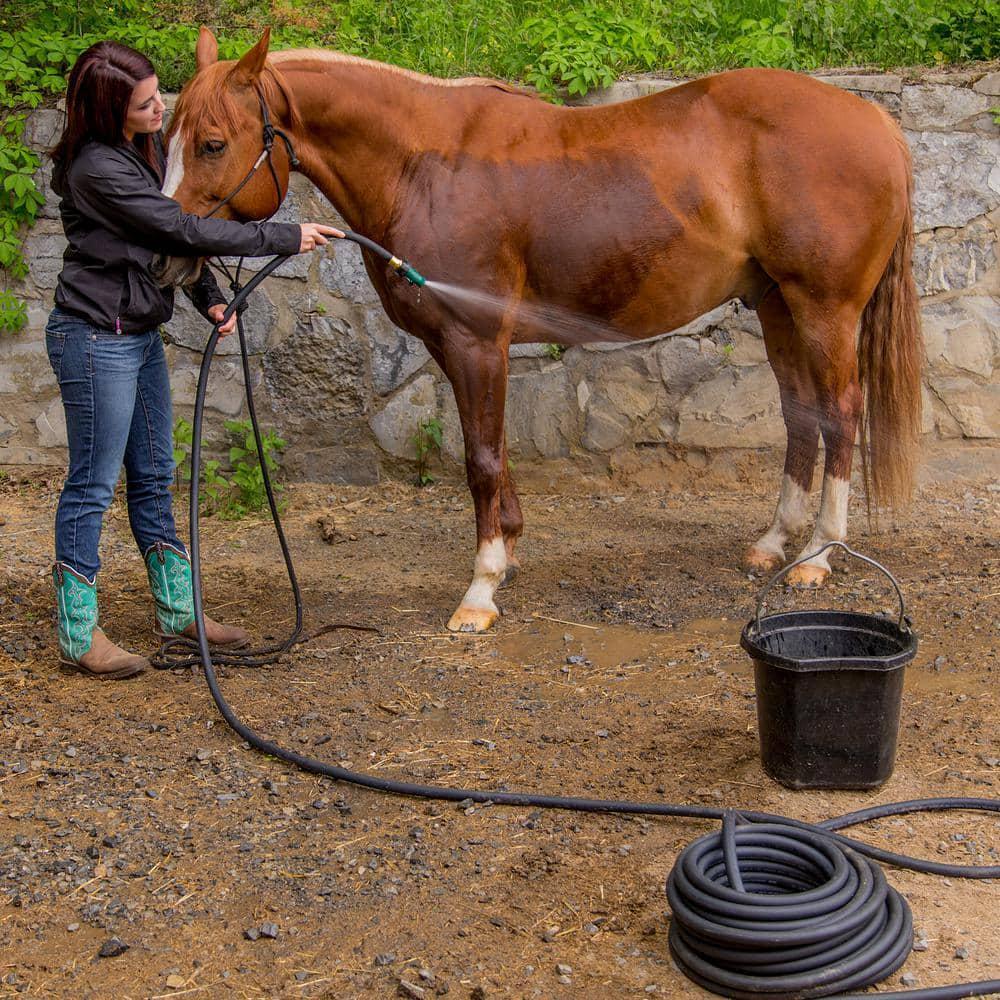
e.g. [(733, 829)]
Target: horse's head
[(217, 135)]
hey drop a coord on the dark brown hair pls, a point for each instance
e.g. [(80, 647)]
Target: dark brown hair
[(97, 98)]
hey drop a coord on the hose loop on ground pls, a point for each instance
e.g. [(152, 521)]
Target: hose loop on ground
[(774, 910)]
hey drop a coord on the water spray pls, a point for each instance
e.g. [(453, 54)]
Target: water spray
[(564, 326)]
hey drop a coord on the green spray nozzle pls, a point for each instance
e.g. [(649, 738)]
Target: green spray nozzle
[(402, 267), (408, 271)]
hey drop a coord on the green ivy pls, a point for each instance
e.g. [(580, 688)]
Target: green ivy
[(32, 64), (13, 312)]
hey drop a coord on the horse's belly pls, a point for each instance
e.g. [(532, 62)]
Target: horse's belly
[(636, 293)]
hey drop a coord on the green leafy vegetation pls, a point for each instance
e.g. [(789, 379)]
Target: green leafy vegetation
[(249, 495), (39, 42), (241, 491), (582, 50), (565, 48), (13, 312), (214, 487), (427, 442), (20, 203), (581, 44)]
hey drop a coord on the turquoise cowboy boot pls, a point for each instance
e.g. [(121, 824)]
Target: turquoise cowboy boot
[(85, 647), (169, 572)]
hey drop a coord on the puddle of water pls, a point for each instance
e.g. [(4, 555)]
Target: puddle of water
[(925, 680), (960, 670), (609, 647), (623, 650)]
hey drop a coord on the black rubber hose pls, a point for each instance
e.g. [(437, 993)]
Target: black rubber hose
[(777, 911), (363, 241), (180, 651), (811, 919), (727, 888)]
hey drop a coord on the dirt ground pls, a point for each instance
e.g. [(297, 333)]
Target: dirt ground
[(130, 810)]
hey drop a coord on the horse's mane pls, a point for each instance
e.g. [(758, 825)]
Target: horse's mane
[(327, 55), (205, 103)]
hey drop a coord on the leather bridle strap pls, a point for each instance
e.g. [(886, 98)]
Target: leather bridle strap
[(269, 132)]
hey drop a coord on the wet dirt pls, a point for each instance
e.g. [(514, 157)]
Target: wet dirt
[(130, 811)]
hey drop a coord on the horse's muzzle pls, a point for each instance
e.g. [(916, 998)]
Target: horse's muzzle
[(169, 272)]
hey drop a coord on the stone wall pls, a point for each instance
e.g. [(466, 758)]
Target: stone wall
[(347, 389)]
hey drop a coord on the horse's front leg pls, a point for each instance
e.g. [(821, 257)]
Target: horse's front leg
[(511, 519), (477, 369)]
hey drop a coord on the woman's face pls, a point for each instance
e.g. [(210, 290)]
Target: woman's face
[(145, 108)]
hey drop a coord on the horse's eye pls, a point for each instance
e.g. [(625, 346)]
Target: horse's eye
[(212, 147)]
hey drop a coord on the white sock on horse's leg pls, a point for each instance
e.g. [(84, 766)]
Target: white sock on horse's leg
[(831, 526), (478, 610), (792, 510)]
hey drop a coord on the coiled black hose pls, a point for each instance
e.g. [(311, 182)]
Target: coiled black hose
[(772, 910), (768, 908)]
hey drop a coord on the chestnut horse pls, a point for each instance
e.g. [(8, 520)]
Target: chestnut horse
[(762, 185)]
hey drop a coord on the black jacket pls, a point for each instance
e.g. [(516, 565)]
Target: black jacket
[(118, 222)]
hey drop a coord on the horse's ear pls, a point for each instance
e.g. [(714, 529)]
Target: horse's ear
[(207, 50), (249, 68)]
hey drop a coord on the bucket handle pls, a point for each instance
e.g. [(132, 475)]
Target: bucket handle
[(904, 622)]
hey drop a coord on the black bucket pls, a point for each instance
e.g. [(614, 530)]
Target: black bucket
[(829, 686)]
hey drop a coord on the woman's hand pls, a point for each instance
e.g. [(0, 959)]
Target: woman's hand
[(315, 234), (217, 312)]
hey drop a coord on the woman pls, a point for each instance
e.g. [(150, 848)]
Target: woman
[(105, 348)]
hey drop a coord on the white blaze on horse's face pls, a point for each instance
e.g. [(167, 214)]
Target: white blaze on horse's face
[(176, 270), (175, 165)]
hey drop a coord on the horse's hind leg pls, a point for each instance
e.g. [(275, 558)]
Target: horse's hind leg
[(828, 331), (478, 372), (799, 409)]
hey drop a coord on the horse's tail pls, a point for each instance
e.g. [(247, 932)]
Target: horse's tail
[(890, 358)]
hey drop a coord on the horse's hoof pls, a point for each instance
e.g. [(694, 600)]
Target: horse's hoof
[(760, 561), (472, 619), (808, 576)]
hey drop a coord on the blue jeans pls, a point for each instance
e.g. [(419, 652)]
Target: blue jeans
[(116, 394)]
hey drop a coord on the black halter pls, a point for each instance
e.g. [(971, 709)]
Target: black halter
[(269, 132)]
